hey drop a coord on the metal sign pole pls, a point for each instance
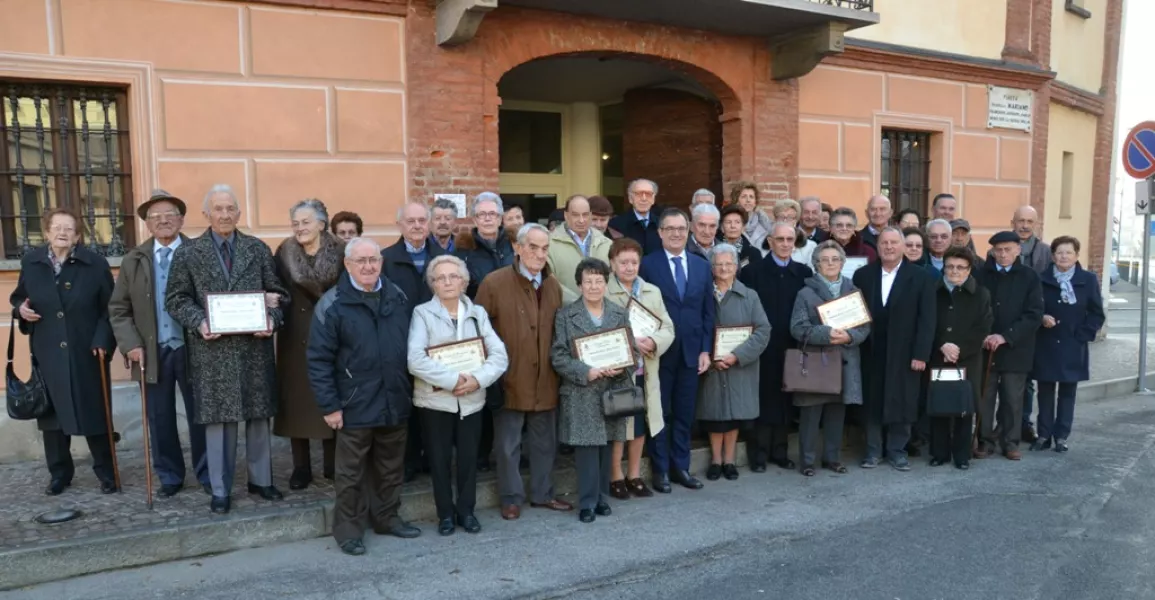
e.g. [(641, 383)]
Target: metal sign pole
[(1144, 294)]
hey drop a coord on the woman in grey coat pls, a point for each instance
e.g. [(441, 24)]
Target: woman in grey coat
[(728, 394), (807, 328), (581, 422)]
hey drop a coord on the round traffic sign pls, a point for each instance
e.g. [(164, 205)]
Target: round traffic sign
[(1139, 151)]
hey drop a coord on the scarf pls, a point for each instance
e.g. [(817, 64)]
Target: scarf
[(1066, 290), (835, 287)]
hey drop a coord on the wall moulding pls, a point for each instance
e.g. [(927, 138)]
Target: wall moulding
[(1077, 99), (382, 7), (939, 66)]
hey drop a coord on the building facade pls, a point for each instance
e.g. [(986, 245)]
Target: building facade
[(364, 103)]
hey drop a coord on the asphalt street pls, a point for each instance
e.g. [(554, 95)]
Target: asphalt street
[(1073, 526)]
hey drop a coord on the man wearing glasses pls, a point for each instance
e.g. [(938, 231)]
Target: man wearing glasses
[(150, 337), (641, 223), (938, 235), (487, 247)]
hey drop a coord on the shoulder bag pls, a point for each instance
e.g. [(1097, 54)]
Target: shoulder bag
[(950, 393), (27, 400), (813, 371)]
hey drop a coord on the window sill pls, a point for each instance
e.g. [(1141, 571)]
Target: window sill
[(1078, 10)]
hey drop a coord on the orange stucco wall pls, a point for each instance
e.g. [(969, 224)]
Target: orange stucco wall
[(842, 113), (281, 104)]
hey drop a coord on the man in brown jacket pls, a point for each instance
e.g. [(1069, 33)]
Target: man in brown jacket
[(521, 300), (148, 336)]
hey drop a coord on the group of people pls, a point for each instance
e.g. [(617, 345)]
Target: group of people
[(348, 355)]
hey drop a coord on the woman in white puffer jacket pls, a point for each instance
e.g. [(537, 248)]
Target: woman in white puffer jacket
[(449, 399)]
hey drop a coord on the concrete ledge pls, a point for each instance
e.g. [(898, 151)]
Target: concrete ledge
[(1110, 388)]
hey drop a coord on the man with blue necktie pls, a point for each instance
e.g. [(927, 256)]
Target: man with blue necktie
[(152, 339), (687, 287)]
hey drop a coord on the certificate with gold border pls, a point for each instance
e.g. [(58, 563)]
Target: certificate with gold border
[(606, 349), (846, 312)]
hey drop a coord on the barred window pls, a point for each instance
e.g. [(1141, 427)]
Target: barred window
[(66, 145), (906, 169)]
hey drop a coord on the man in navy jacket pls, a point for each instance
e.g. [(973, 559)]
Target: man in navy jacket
[(641, 223), (687, 289)]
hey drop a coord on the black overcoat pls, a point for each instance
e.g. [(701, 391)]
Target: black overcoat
[(909, 336), (777, 287), (963, 318), (73, 321), (1017, 305)]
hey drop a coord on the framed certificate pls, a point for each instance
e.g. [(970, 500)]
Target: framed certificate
[(845, 312), (726, 339), (235, 313), (463, 357), (606, 349), (852, 264), (643, 322)]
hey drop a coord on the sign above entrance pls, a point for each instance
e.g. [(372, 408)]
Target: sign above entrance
[(1009, 108), (1139, 151)]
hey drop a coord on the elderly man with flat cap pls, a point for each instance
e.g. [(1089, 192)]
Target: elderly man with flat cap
[(1017, 303), (151, 338)]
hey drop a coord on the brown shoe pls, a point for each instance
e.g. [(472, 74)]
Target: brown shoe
[(619, 490), (981, 452), (511, 512), (639, 488), (554, 504), (1013, 455)]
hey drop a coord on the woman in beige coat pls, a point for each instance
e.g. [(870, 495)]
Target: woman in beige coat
[(625, 257)]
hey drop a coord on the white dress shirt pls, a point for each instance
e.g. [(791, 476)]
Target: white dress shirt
[(888, 278), (156, 246), (685, 264)]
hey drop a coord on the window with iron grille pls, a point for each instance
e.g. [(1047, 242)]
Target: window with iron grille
[(906, 169), (65, 145)]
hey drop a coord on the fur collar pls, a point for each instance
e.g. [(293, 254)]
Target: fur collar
[(327, 264), (467, 241)]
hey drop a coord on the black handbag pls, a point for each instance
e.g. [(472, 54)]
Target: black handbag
[(27, 400), (624, 402), (949, 394)]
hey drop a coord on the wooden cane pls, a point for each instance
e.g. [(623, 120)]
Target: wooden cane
[(982, 394), (147, 436), (108, 416)]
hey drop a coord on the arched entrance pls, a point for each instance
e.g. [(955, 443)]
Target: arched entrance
[(588, 123)]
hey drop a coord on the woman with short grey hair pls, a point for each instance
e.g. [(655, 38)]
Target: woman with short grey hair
[(728, 396), (450, 401), (806, 327), (309, 263)]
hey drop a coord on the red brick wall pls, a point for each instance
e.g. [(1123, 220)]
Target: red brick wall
[(675, 139), (453, 101), (1105, 139)]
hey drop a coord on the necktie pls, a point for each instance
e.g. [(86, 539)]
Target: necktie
[(165, 260), (679, 277), (227, 257)]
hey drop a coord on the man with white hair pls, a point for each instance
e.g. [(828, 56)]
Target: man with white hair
[(232, 374), (704, 229), (810, 219), (358, 368), (701, 196), (641, 223), (488, 246), (878, 214)]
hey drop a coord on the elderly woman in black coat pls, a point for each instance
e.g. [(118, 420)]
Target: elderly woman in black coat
[(963, 320), (61, 302), (1072, 317), (581, 420)]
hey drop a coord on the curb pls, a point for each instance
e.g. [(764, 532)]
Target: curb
[(1110, 388)]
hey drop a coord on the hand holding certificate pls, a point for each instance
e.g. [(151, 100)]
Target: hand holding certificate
[(726, 339), (606, 349), (464, 356), (235, 313), (845, 313), (643, 322)]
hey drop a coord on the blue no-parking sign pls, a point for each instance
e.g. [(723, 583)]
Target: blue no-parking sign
[(1139, 151)]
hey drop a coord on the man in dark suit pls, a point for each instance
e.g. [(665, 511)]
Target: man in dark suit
[(688, 291), (641, 223), (878, 214), (902, 305), (811, 219)]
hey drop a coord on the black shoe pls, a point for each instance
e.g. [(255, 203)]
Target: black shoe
[(483, 466), (786, 463), (758, 467), (445, 527), (565, 450), (469, 523), (963, 466), (603, 509), (586, 516), (936, 462), (714, 473), (730, 471), (401, 529), (220, 505), (1028, 434), (268, 492), (686, 480), (661, 483), (108, 486), (913, 450), (328, 474), (168, 490), (353, 547), (300, 479), (410, 474), (1040, 444), (1061, 446), (56, 487), (208, 488)]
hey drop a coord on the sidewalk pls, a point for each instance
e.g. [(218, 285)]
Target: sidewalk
[(118, 530)]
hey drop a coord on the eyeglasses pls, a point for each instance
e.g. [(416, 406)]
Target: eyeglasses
[(366, 261), (642, 194), (725, 265), (450, 278), (783, 239), (830, 260), (956, 268), (487, 215), (62, 229), (842, 225), (417, 221), (160, 216), (675, 229), (939, 236)]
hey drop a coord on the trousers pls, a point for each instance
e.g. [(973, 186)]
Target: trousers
[(593, 475), (950, 438), (167, 456), (670, 448), (58, 455), (221, 454), (1001, 411), (831, 416), (372, 456), (897, 437), (541, 435), (442, 431), (1052, 425)]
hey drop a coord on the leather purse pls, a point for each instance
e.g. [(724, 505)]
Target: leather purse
[(813, 371), (27, 400), (949, 394), (624, 402)]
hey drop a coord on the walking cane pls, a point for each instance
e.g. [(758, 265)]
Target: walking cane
[(147, 436), (982, 394), (108, 416)]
